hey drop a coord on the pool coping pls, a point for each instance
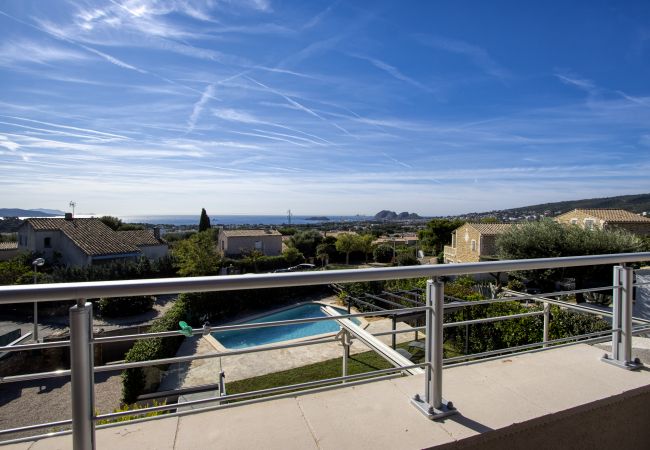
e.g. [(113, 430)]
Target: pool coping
[(221, 348)]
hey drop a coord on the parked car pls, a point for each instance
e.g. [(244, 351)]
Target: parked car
[(299, 268)]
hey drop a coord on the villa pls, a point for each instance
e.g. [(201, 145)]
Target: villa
[(607, 219), (239, 242), (474, 242)]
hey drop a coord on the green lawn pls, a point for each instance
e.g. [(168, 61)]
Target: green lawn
[(359, 363)]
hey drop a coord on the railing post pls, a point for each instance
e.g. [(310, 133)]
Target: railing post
[(346, 341), (623, 296), (82, 376), (433, 405), (394, 336), (547, 318)]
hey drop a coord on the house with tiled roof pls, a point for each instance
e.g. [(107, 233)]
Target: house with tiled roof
[(607, 219), (240, 242), (474, 242), (149, 242), (75, 242)]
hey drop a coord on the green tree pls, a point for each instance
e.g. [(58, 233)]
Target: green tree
[(197, 256), (437, 233), (364, 244), (204, 221), (323, 254), (112, 222), (347, 243), (293, 256), (383, 253), (548, 239), (306, 242)]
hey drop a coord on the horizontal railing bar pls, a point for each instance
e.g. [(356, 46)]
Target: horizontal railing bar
[(35, 376), (527, 346), (36, 427), (388, 302), (41, 345), (230, 397), (642, 284), (253, 401), (126, 288), (593, 340), (221, 328), (560, 293), (492, 319), (392, 294), (406, 330), (175, 359), (37, 437)]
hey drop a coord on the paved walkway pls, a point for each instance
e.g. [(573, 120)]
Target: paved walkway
[(503, 394)]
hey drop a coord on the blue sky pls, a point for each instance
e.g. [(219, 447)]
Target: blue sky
[(333, 107)]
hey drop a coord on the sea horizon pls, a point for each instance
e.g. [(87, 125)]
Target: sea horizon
[(239, 219)]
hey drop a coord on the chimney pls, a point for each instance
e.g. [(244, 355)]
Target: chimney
[(156, 232), (68, 216)]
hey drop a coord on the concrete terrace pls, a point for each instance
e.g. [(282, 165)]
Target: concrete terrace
[(560, 398)]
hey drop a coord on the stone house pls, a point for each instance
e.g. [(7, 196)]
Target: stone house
[(77, 242), (474, 242), (238, 242), (607, 219)]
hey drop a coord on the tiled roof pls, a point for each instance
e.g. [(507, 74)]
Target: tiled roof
[(90, 235), (140, 237), (614, 215), (246, 233), (491, 228), (8, 245)]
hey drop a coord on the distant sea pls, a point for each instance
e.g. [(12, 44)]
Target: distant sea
[(238, 220)]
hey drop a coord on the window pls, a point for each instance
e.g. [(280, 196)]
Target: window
[(473, 245), (259, 245), (47, 242), (589, 224), (574, 221)]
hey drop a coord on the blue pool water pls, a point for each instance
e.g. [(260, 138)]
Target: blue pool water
[(261, 336)]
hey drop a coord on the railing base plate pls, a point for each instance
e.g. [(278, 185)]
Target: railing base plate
[(446, 409), (627, 365)]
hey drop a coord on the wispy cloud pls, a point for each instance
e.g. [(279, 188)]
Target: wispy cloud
[(571, 79), (28, 51), (393, 71), (477, 55), (314, 21), (208, 93)]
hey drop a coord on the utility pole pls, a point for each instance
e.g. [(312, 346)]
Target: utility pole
[(72, 205), (289, 216)]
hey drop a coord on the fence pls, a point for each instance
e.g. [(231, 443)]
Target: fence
[(430, 402)]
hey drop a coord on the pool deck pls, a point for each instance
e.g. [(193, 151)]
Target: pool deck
[(239, 367)]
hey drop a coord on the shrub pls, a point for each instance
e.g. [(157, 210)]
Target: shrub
[(383, 253), (135, 415), (124, 306), (133, 380)]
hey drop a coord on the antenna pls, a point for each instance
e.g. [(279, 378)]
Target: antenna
[(73, 204), (289, 216)]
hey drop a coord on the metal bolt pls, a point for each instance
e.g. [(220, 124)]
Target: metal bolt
[(605, 356), (431, 410), (637, 361), (416, 397), (450, 405)]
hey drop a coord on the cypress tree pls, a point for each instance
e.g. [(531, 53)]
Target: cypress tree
[(204, 222)]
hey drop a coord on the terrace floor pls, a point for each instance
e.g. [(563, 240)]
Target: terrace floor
[(564, 395)]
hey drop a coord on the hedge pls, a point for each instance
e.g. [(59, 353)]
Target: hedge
[(133, 380)]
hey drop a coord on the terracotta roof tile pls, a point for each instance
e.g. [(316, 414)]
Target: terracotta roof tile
[(8, 245), (614, 215), (90, 235), (491, 228), (140, 237)]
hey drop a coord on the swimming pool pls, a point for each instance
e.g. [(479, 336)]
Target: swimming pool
[(261, 336)]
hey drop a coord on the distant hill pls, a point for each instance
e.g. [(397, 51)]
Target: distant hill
[(56, 212), (392, 215), (17, 212), (637, 203)]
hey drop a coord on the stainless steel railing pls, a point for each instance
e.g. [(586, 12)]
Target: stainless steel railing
[(430, 402)]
